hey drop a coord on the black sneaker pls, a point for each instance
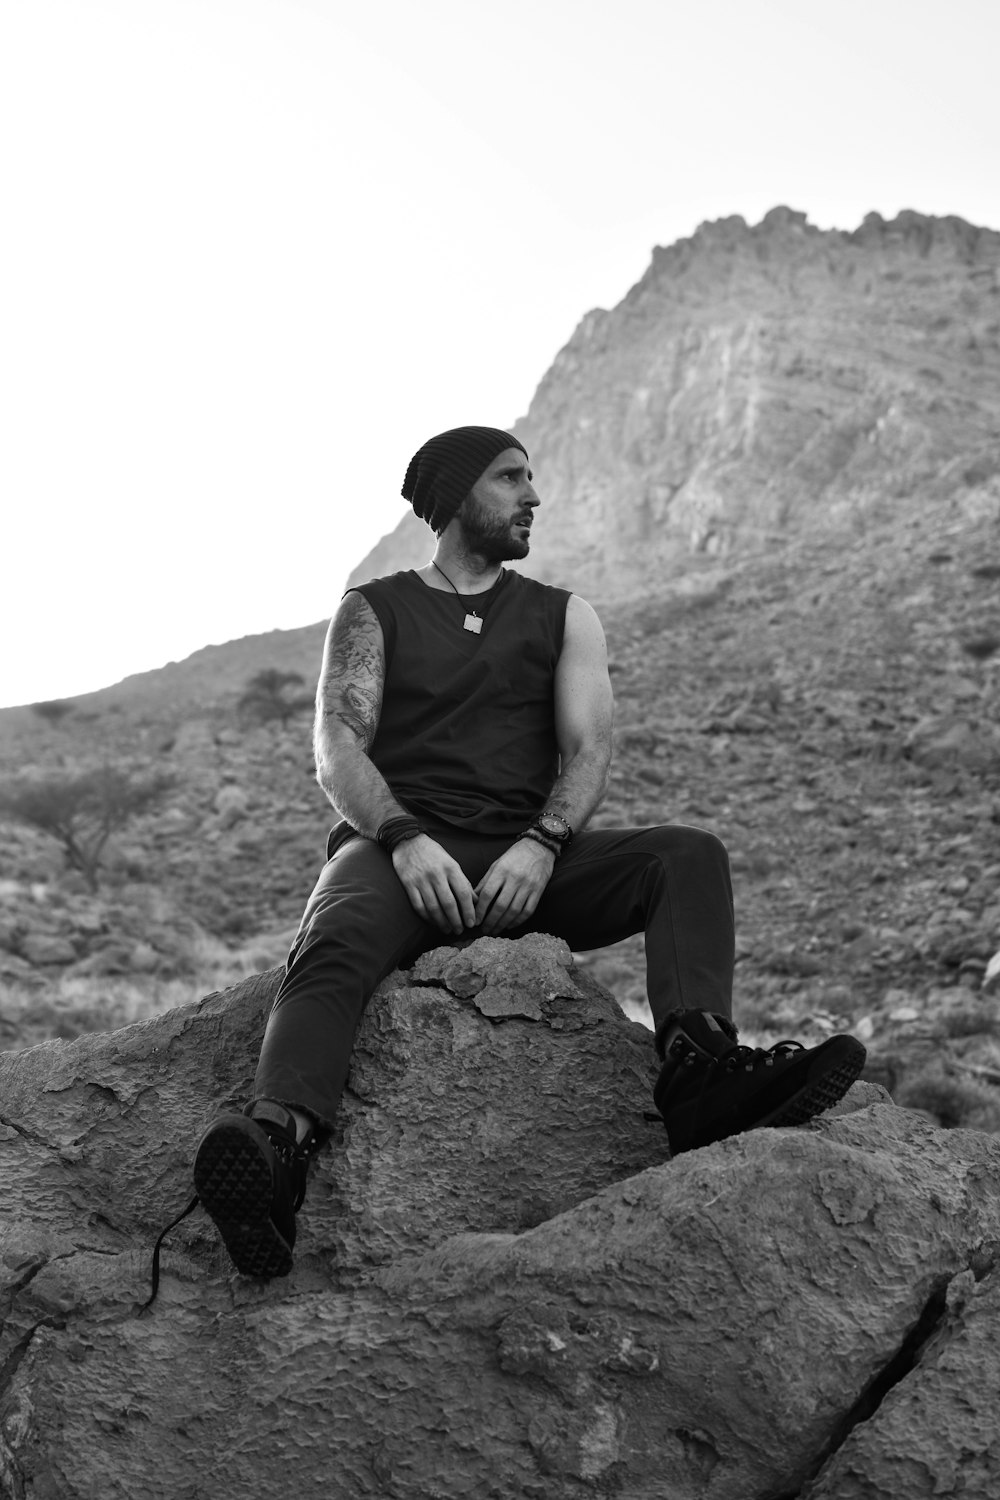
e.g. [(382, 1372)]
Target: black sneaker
[(710, 1087), (250, 1176)]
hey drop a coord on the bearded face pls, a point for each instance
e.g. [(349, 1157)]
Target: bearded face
[(497, 538), (495, 517)]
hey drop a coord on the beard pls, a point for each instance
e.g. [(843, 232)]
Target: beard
[(487, 536)]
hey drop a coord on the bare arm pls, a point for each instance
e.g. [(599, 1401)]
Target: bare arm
[(585, 713), (512, 887), (348, 706)]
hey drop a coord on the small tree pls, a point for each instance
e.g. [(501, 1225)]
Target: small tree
[(982, 647), (82, 809), (268, 696), (54, 710)]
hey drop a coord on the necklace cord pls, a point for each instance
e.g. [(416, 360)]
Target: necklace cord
[(446, 578), (465, 597)]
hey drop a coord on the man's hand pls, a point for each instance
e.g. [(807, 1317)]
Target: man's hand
[(436, 884), (512, 886)]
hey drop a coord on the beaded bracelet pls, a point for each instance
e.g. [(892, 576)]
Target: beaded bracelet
[(538, 837), (396, 831)]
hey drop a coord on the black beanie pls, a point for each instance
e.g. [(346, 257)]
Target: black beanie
[(443, 471)]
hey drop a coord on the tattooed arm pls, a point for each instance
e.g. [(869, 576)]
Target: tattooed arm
[(348, 705)]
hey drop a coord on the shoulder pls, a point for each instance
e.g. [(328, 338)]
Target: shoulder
[(354, 609), (520, 583), (583, 623), (377, 600), (391, 582), (543, 599), (356, 626)]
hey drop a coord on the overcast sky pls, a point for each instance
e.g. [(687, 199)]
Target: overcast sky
[(254, 252)]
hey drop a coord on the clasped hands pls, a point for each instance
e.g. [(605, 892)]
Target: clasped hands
[(440, 892)]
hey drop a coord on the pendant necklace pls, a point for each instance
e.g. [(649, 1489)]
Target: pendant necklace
[(473, 621)]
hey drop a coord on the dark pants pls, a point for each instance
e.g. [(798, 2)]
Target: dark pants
[(672, 884)]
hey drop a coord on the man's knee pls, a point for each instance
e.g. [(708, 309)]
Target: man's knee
[(696, 845)]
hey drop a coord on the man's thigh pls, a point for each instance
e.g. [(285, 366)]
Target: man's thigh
[(360, 900), (604, 884)]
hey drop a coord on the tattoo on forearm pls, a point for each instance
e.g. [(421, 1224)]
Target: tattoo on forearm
[(350, 688), (359, 711)]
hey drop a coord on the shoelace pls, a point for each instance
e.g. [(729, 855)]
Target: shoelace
[(296, 1159), (747, 1058), (294, 1156), (750, 1058), (155, 1276)]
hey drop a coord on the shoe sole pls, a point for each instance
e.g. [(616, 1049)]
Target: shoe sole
[(819, 1095), (815, 1096), (233, 1179)]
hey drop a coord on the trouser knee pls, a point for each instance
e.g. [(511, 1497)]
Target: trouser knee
[(709, 849), (697, 846)]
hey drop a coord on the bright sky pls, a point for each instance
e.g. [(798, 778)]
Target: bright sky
[(254, 252)]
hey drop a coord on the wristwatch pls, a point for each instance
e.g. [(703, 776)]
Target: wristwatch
[(551, 830), (554, 826)]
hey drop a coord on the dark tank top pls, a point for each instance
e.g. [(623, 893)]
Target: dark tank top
[(467, 734)]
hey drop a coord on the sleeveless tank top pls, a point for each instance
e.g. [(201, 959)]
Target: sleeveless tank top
[(466, 735)]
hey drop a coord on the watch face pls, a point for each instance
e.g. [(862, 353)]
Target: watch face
[(553, 824)]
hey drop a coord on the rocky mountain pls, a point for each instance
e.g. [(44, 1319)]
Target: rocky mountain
[(776, 469), (759, 385), (827, 699)]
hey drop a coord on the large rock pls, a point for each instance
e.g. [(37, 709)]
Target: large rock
[(504, 1287), (40, 948)]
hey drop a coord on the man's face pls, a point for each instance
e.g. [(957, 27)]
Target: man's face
[(495, 517)]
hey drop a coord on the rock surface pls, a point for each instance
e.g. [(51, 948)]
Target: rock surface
[(503, 1287)]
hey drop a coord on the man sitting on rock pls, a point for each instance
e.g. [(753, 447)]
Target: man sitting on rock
[(463, 735)]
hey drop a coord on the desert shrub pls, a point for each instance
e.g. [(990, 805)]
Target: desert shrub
[(269, 695), (53, 710), (981, 647), (953, 1102), (981, 470), (975, 1019), (80, 810)]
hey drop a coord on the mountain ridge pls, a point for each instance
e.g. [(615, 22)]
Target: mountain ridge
[(824, 694), (756, 382)]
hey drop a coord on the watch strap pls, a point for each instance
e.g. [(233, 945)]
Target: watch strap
[(537, 836)]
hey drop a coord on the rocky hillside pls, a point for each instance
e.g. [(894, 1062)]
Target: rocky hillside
[(827, 699), (759, 385), (831, 711)]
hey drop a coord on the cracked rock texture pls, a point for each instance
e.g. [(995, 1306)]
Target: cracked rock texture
[(504, 1287)]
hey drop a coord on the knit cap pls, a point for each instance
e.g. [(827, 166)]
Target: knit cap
[(443, 471)]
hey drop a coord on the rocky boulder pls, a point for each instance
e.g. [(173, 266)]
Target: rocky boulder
[(503, 1287)]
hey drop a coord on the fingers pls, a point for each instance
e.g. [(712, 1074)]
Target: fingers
[(441, 894), (506, 897), (438, 889), (442, 900), (511, 888), (504, 914), (461, 899), (486, 893), (498, 920)]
